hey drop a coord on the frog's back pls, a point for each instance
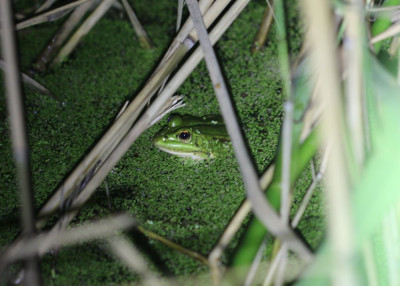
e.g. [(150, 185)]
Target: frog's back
[(207, 119)]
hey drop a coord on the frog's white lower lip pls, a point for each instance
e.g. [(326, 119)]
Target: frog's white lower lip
[(194, 156)]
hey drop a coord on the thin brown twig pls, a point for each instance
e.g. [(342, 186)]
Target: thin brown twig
[(262, 33), (174, 245)]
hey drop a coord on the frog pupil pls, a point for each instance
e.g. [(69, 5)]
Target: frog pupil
[(184, 135)]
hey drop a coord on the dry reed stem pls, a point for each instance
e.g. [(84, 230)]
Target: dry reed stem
[(172, 104), (20, 147), (261, 207), (179, 13), (280, 273), (49, 16), (314, 112), (393, 30), (87, 25), (286, 196), (354, 91), (262, 33), (394, 48), (61, 35), (31, 82), (324, 61), (42, 243), (212, 13), (310, 191), (132, 258), (140, 32), (383, 9), (183, 41), (273, 267), (174, 245), (256, 263)]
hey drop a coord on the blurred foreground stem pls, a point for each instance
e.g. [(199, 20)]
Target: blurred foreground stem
[(18, 134)]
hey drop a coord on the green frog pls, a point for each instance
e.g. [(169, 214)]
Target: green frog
[(196, 137)]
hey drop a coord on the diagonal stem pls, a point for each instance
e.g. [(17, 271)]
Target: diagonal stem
[(261, 207)]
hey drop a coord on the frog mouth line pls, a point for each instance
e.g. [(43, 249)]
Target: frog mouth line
[(193, 154)]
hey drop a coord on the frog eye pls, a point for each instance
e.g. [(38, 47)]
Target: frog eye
[(184, 135)]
